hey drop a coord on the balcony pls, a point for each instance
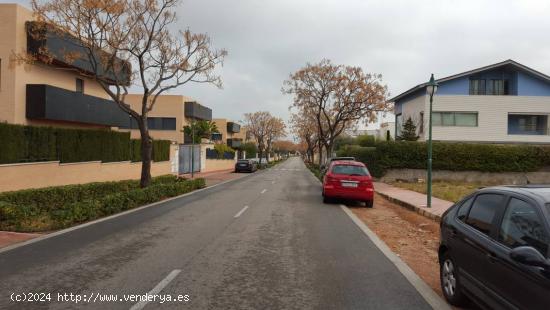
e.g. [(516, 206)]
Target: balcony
[(44, 42), (233, 127), (196, 111), (45, 102), (234, 143)]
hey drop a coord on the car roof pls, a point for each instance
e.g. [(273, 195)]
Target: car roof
[(540, 191), (348, 163)]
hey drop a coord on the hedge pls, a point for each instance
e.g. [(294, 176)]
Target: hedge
[(220, 151), (31, 144), (451, 156), (63, 206)]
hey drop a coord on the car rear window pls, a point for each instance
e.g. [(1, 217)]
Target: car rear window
[(483, 212), (349, 170), (243, 161)]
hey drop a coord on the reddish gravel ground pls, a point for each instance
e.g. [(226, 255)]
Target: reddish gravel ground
[(411, 236)]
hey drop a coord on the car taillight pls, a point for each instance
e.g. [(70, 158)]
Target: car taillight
[(331, 179)]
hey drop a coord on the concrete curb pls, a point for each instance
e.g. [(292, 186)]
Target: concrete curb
[(410, 206)]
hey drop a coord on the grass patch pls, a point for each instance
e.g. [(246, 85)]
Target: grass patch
[(446, 190), (59, 207), (314, 168)]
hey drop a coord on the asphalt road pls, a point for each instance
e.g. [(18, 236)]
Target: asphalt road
[(265, 241)]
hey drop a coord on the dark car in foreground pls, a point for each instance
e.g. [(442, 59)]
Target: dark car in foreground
[(346, 179), (495, 246), (246, 165)]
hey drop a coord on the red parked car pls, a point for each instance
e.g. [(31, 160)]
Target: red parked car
[(348, 179)]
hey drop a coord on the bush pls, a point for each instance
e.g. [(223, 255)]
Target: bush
[(365, 140), (451, 156), (220, 151), (63, 206), (32, 144)]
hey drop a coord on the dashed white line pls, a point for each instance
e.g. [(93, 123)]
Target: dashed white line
[(265, 190), (162, 284), (241, 212)]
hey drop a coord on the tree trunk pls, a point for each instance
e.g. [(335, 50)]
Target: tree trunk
[(146, 153), (320, 152)]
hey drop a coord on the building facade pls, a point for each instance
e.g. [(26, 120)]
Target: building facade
[(55, 94), (169, 115), (229, 132), (505, 102)]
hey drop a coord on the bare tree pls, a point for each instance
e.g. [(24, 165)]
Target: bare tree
[(275, 130), (257, 127), (129, 43), (337, 96), (304, 128)]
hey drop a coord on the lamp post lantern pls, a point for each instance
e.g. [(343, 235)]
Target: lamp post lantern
[(431, 89)]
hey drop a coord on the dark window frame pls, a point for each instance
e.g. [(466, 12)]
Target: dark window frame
[(481, 89), (79, 85), (531, 132), (496, 218), (453, 113)]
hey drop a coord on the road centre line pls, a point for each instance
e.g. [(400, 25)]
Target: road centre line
[(241, 212), (265, 190), (162, 284)]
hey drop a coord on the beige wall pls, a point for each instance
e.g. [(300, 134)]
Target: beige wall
[(15, 77), (492, 117), (44, 174), (166, 106), (221, 123), (219, 164)]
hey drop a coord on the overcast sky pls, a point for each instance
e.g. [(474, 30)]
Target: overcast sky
[(405, 41)]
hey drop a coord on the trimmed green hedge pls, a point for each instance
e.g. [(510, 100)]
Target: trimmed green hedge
[(31, 144), (451, 156), (63, 206)]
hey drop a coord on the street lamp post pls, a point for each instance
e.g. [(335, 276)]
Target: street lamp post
[(431, 89)]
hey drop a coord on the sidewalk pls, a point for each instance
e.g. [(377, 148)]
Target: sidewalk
[(413, 200), (215, 177)]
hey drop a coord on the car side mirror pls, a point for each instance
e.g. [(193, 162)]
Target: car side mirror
[(529, 256)]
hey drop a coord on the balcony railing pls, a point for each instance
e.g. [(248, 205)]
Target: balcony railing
[(46, 41), (233, 127), (197, 111), (45, 102), (234, 143)]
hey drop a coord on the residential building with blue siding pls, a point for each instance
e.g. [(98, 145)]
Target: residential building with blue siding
[(505, 102)]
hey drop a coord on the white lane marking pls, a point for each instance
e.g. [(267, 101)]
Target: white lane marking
[(265, 190), (241, 212), (272, 182), (423, 289), (162, 284)]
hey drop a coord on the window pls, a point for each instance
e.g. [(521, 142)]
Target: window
[(421, 125), (527, 124), (80, 86), (483, 211), (464, 209), (398, 124), (216, 136), (477, 87), (461, 119), (522, 226), (350, 170), (156, 123), (499, 87)]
